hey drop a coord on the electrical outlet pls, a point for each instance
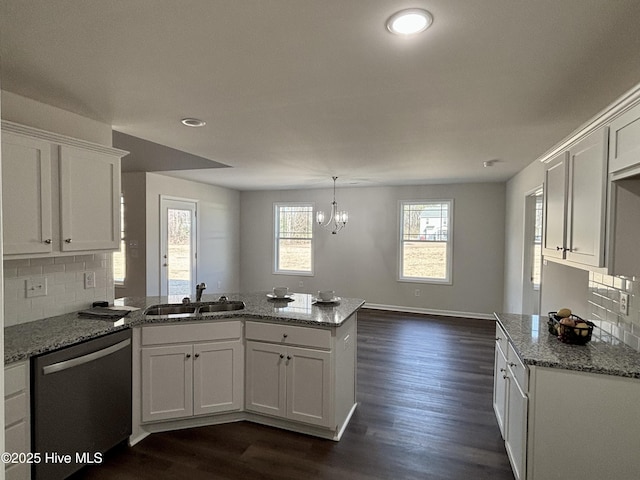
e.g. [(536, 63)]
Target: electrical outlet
[(89, 280), (624, 303), (301, 284), (36, 287), (417, 292), (219, 284)]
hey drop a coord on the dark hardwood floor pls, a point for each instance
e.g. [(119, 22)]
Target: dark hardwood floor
[(425, 392)]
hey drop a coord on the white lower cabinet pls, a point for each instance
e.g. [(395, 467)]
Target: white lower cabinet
[(192, 369), (510, 402), (17, 418), (564, 424), (289, 382)]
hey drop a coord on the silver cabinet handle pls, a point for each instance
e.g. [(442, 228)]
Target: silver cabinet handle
[(74, 362)]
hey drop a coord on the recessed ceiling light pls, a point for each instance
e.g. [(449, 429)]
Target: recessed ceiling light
[(409, 21), (193, 122)]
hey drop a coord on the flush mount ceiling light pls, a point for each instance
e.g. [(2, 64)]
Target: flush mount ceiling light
[(409, 21), (193, 122)]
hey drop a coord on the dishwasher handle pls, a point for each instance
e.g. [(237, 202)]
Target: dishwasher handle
[(74, 362)]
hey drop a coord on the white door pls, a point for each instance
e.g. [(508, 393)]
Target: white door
[(555, 207), (266, 378), (309, 386), (178, 247)]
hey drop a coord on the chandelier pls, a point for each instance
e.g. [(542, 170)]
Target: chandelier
[(338, 218)]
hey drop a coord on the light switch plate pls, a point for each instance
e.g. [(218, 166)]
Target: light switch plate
[(36, 287)]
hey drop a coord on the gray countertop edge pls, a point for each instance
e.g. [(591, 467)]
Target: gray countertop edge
[(537, 347), (41, 336)]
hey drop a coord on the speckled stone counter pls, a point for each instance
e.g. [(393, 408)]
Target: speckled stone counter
[(33, 338), (536, 346)]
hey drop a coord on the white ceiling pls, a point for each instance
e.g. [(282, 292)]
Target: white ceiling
[(295, 91)]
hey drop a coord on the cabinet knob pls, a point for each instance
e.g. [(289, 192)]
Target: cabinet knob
[(288, 357), (498, 338), (188, 355), (511, 364), (281, 355), (559, 248), (197, 355), (67, 240), (48, 241), (504, 376), (284, 335), (503, 369)]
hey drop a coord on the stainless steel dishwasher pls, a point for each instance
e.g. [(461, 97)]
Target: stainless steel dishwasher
[(81, 404)]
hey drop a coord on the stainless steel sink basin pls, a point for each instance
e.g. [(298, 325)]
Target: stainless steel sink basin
[(193, 309), (170, 309), (221, 306)]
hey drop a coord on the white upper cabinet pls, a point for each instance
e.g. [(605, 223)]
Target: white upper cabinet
[(26, 194), (575, 190), (555, 207), (587, 199), (624, 144), (89, 200), (59, 194)]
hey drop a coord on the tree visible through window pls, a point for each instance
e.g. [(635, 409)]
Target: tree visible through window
[(425, 241), (294, 238)]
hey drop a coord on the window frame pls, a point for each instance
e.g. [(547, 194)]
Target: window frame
[(448, 280), (276, 238), (123, 245)]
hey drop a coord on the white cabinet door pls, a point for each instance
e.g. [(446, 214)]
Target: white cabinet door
[(309, 386), (26, 194), (266, 379), (516, 427), (587, 199), (555, 207), (167, 382), (624, 141), (500, 389), (89, 199), (218, 371)]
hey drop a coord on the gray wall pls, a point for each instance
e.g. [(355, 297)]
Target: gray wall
[(362, 260), (218, 230)]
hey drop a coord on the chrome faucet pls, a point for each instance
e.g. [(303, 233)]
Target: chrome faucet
[(199, 289)]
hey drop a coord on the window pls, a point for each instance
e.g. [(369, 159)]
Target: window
[(425, 241), (293, 238), (120, 257)]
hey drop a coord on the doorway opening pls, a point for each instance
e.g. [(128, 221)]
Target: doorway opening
[(178, 247), (532, 265)]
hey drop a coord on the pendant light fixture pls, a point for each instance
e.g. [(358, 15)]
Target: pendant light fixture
[(338, 218)]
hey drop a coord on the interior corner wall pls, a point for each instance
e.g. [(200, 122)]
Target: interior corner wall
[(218, 232), (362, 260), (518, 187), (134, 192)]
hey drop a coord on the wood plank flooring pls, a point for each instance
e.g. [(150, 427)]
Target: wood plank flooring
[(425, 392)]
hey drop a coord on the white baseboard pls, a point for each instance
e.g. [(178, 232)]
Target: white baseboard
[(428, 311)]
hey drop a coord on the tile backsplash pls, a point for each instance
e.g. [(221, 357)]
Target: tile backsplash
[(604, 303), (65, 283)]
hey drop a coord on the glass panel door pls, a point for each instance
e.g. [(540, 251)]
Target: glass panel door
[(178, 248)]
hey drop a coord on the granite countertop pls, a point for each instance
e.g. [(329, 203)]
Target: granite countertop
[(34, 338), (536, 346)]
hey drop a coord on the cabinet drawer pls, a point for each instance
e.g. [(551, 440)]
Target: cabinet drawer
[(15, 409), (288, 334), (15, 438), (501, 339), (15, 378), (191, 332), (518, 369)]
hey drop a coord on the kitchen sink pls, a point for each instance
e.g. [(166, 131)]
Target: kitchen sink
[(170, 309), (221, 306), (192, 309)]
